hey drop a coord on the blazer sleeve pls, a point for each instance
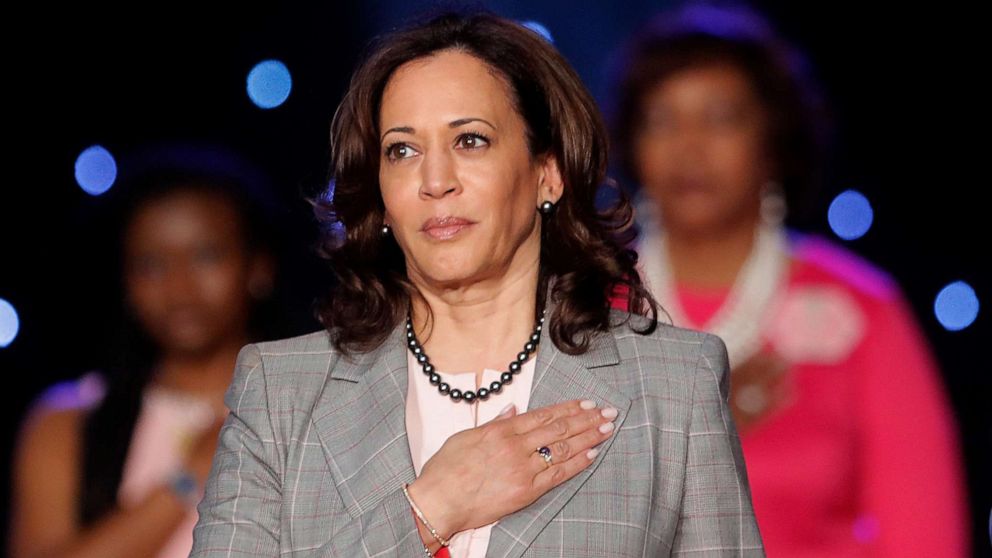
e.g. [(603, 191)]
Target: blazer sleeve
[(241, 510), (716, 516)]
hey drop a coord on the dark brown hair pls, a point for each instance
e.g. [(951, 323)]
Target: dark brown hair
[(583, 255), (731, 33)]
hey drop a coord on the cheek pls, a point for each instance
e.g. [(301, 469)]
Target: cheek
[(145, 295), (398, 201), (223, 283), (652, 161), (739, 154)]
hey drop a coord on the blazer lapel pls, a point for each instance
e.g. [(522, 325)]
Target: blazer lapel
[(360, 419), (560, 377)]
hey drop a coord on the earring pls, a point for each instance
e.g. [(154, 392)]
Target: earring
[(546, 207), (386, 229), (773, 208)]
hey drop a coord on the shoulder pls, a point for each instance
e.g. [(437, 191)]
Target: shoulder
[(61, 408), (287, 366), (53, 424), (676, 349), (677, 365), (819, 260)]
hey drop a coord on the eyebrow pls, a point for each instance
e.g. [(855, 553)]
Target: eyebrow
[(452, 124)]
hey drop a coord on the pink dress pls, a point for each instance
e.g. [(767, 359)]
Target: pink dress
[(168, 422), (863, 459), (432, 418)]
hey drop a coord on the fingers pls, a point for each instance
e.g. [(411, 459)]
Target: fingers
[(522, 424), (582, 426), (561, 471)]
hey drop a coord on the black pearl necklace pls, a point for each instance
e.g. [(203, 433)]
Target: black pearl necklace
[(470, 396)]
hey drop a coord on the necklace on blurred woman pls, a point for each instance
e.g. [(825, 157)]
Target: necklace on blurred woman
[(756, 291)]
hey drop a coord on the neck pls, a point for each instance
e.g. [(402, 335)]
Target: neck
[(481, 325), (202, 373), (711, 258)]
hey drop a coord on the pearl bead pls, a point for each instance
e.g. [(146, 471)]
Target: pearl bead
[(428, 368), (506, 377), (468, 396), (455, 394), (495, 387), (514, 366), (444, 388), (529, 347), (421, 358), (483, 393), (434, 379), (522, 356)]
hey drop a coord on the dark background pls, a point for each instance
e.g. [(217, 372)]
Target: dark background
[(904, 84)]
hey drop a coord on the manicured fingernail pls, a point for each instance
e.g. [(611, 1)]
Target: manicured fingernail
[(506, 409), (609, 412), (591, 454), (587, 404), (604, 428)]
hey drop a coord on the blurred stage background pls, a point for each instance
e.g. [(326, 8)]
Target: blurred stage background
[(905, 85)]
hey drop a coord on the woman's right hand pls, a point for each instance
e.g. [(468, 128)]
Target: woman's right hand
[(484, 473)]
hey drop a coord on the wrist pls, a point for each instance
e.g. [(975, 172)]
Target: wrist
[(433, 528), (185, 487)]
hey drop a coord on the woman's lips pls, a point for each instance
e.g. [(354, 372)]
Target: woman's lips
[(445, 228)]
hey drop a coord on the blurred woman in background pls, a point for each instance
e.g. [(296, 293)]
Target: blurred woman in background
[(849, 439), (114, 466)]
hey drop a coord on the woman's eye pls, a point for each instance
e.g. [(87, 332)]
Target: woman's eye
[(657, 121), (395, 151), (208, 255), (473, 140), (724, 114), (148, 266)]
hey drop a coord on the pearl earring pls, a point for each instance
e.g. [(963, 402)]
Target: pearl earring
[(546, 207), (773, 207), (386, 229)]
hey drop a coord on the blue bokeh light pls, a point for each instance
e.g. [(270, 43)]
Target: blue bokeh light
[(96, 170), (9, 323), (956, 306), (538, 28), (269, 84), (850, 215)]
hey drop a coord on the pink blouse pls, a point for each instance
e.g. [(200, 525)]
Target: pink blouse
[(431, 418), (169, 421)]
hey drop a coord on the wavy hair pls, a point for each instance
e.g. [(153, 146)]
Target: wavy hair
[(584, 258)]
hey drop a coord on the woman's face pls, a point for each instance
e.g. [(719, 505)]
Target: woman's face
[(701, 152), (187, 271), (457, 180)]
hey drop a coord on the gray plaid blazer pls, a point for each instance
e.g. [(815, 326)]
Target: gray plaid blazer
[(313, 454)]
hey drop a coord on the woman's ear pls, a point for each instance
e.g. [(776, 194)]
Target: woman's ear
[(550, 184)]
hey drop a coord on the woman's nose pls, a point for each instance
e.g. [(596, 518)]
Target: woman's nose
[(438, 176)]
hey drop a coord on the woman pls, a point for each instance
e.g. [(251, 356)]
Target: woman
[(834, 390), (466, 158), (114, 467)]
